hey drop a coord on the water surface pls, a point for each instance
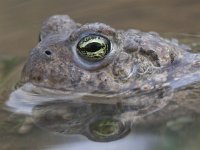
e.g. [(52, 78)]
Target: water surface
[(20, 22)]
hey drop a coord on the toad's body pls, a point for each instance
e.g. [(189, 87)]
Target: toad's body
[(95, 58), (132, 58), (104, 65)]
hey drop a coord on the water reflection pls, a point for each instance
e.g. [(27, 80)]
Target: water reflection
[(102, 121), (174, 105), (177, 117), (99, 122), (161, 128), (109, 122), (141, 142)]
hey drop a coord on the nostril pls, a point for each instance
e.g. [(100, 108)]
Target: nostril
[(48, 52)]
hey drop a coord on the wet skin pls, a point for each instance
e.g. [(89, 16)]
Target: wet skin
[(137, 73)]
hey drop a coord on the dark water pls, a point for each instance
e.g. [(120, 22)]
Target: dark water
[(20, 22)]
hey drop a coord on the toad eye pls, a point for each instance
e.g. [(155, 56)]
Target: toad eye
[(93, 47)]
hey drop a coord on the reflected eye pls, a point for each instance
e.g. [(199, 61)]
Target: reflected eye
[(93, 47), (107, 129)]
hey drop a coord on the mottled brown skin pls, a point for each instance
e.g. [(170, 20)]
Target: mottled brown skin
[(142, 74), (138, 64), (135, 58)]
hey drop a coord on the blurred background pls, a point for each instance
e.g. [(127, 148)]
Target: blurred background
[(20, 23), (20, 20)]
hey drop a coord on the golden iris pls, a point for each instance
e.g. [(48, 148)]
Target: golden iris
[(93, 47), (106, 128)]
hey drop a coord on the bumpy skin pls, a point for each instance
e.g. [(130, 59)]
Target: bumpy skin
[(142, 73), (134, 60), (138, 63)]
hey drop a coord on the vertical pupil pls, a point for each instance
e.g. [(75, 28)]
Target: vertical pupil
[(92, 47)]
